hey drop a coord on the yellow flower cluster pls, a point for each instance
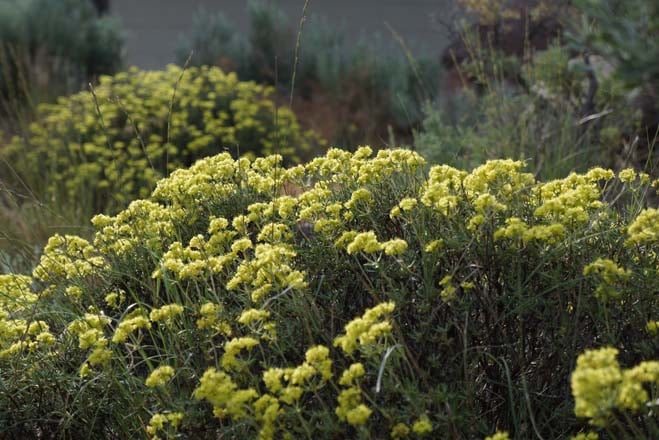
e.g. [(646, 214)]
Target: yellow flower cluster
[(652, 327), (570, 201), (367, 242), (441, 191), (166, 313), (405, 205), (627, 175), (90, 330), (286, 386), (493, 186), (259, 268), (91, 335), (205, 181), (366, 330), (351, 408), (611, 275), (482, 187), (448, 292), (232, 348), (499, 435), (600, 386), (133, 321), (159, 422), (160, 376), (227, 399), (515, 229), (67, 257), (257, 321), (17, 335), (422, 426), (15, 293), (251, 315), (224, 242), (487, 194), (298, 379), (115, 299), (212, 180), (211, 318), (434, 246), (143, 225), (400, 430), (133, 131), (269, 270), (501, 177), (342, 167), (644, 230)]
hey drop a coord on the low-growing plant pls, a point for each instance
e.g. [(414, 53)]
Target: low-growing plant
[(97, 150), (380, 301)]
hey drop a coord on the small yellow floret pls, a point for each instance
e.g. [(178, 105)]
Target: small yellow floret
[(394, 247), (422, 426), (160, 376), (499, 435), (166, 313)]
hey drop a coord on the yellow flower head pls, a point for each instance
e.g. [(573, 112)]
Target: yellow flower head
[(160, 376), (365, 330)]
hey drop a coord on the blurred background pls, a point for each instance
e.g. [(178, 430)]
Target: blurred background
[(154, 26)]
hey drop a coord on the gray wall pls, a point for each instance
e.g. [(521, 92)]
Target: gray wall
[(154, 26)]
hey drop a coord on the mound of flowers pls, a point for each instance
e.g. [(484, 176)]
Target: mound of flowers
[(110, 145), (377, 301)]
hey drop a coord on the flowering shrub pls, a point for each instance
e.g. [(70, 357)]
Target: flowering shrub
[(380, 302), (103, 149)]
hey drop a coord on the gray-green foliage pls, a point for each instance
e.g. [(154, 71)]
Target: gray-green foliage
[(213, 39), (55, 45), (626, 34), (541, 122), (327, 60), (625, 31)]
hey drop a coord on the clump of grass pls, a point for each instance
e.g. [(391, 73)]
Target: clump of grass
[(381, 301)]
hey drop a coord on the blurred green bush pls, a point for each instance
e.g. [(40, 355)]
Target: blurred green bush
[(545, 116), (625, 32), (97, 151), (350, 92), (50, 48)]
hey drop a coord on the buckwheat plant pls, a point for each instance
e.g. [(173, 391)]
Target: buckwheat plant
[(380, 300)]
